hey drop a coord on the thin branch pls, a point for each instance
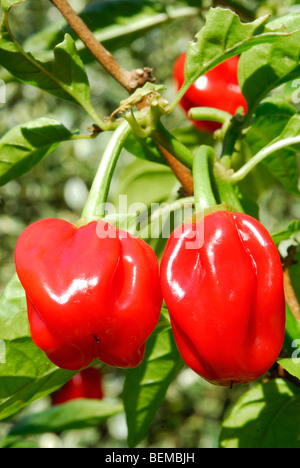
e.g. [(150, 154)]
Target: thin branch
[(178, 156), (182, 173), (289, 292), (261, 155), (277, 371), (290, 295), (130, 80)]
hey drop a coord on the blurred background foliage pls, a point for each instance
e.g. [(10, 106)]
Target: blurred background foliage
[(193, 410)]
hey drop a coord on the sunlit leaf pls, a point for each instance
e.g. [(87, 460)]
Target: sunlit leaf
[(266, 416), (24, 146)]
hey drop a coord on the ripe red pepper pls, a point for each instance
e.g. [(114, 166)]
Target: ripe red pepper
[(85, 384), (219, 89), (225, 297), (92, 292)]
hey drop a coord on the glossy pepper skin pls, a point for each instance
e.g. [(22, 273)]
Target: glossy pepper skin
[(225, 298), (219, 89), (93, 292), (85, 384)]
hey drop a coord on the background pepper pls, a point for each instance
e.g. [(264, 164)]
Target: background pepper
[(218, 89), (225, 298), (85, 384), (92, 292)]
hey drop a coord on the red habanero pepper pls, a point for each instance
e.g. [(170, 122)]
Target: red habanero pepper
[(93, 292), (225, 297), (86, 384), (218, 89)]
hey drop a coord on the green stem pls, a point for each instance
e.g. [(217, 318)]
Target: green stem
[(174, 146), (225, 188), (82, 137), (232, 125), (160, 213), (203, 193), (95, 205), (138, 130), (209, 113), (231, 136), (260, 156)]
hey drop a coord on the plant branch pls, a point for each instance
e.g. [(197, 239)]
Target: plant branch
[(289, 292), (130, 80), (178, 156), (165, 139), (290, 295), (277, 371), (182, 173), (261, 155)]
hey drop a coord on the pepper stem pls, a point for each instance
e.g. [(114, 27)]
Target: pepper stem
[(209, 113), (168, 141), (203, 193), (226, 191), (95, 205)]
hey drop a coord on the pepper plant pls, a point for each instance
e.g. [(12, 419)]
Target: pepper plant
[(80, 298)]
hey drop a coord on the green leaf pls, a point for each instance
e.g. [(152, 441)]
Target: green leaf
[(13, 312), (145, 183), (275, 105), (24, 146), (292, 231), (276, 119), (24, 67), (77, 414), (26, 374), (64, 77), (284, 164), (292, 365), (144, 149), (222, 37), (258, 180), (68, 68), (266, 416), (267, 66), (7, 4), (145, 386)]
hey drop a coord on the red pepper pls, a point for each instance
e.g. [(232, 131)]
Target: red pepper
[(85, 384), (225, 297), (218, 89), (92, 292)]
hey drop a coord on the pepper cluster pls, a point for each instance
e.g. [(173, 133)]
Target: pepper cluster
[(100, 298), (95, 292)]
